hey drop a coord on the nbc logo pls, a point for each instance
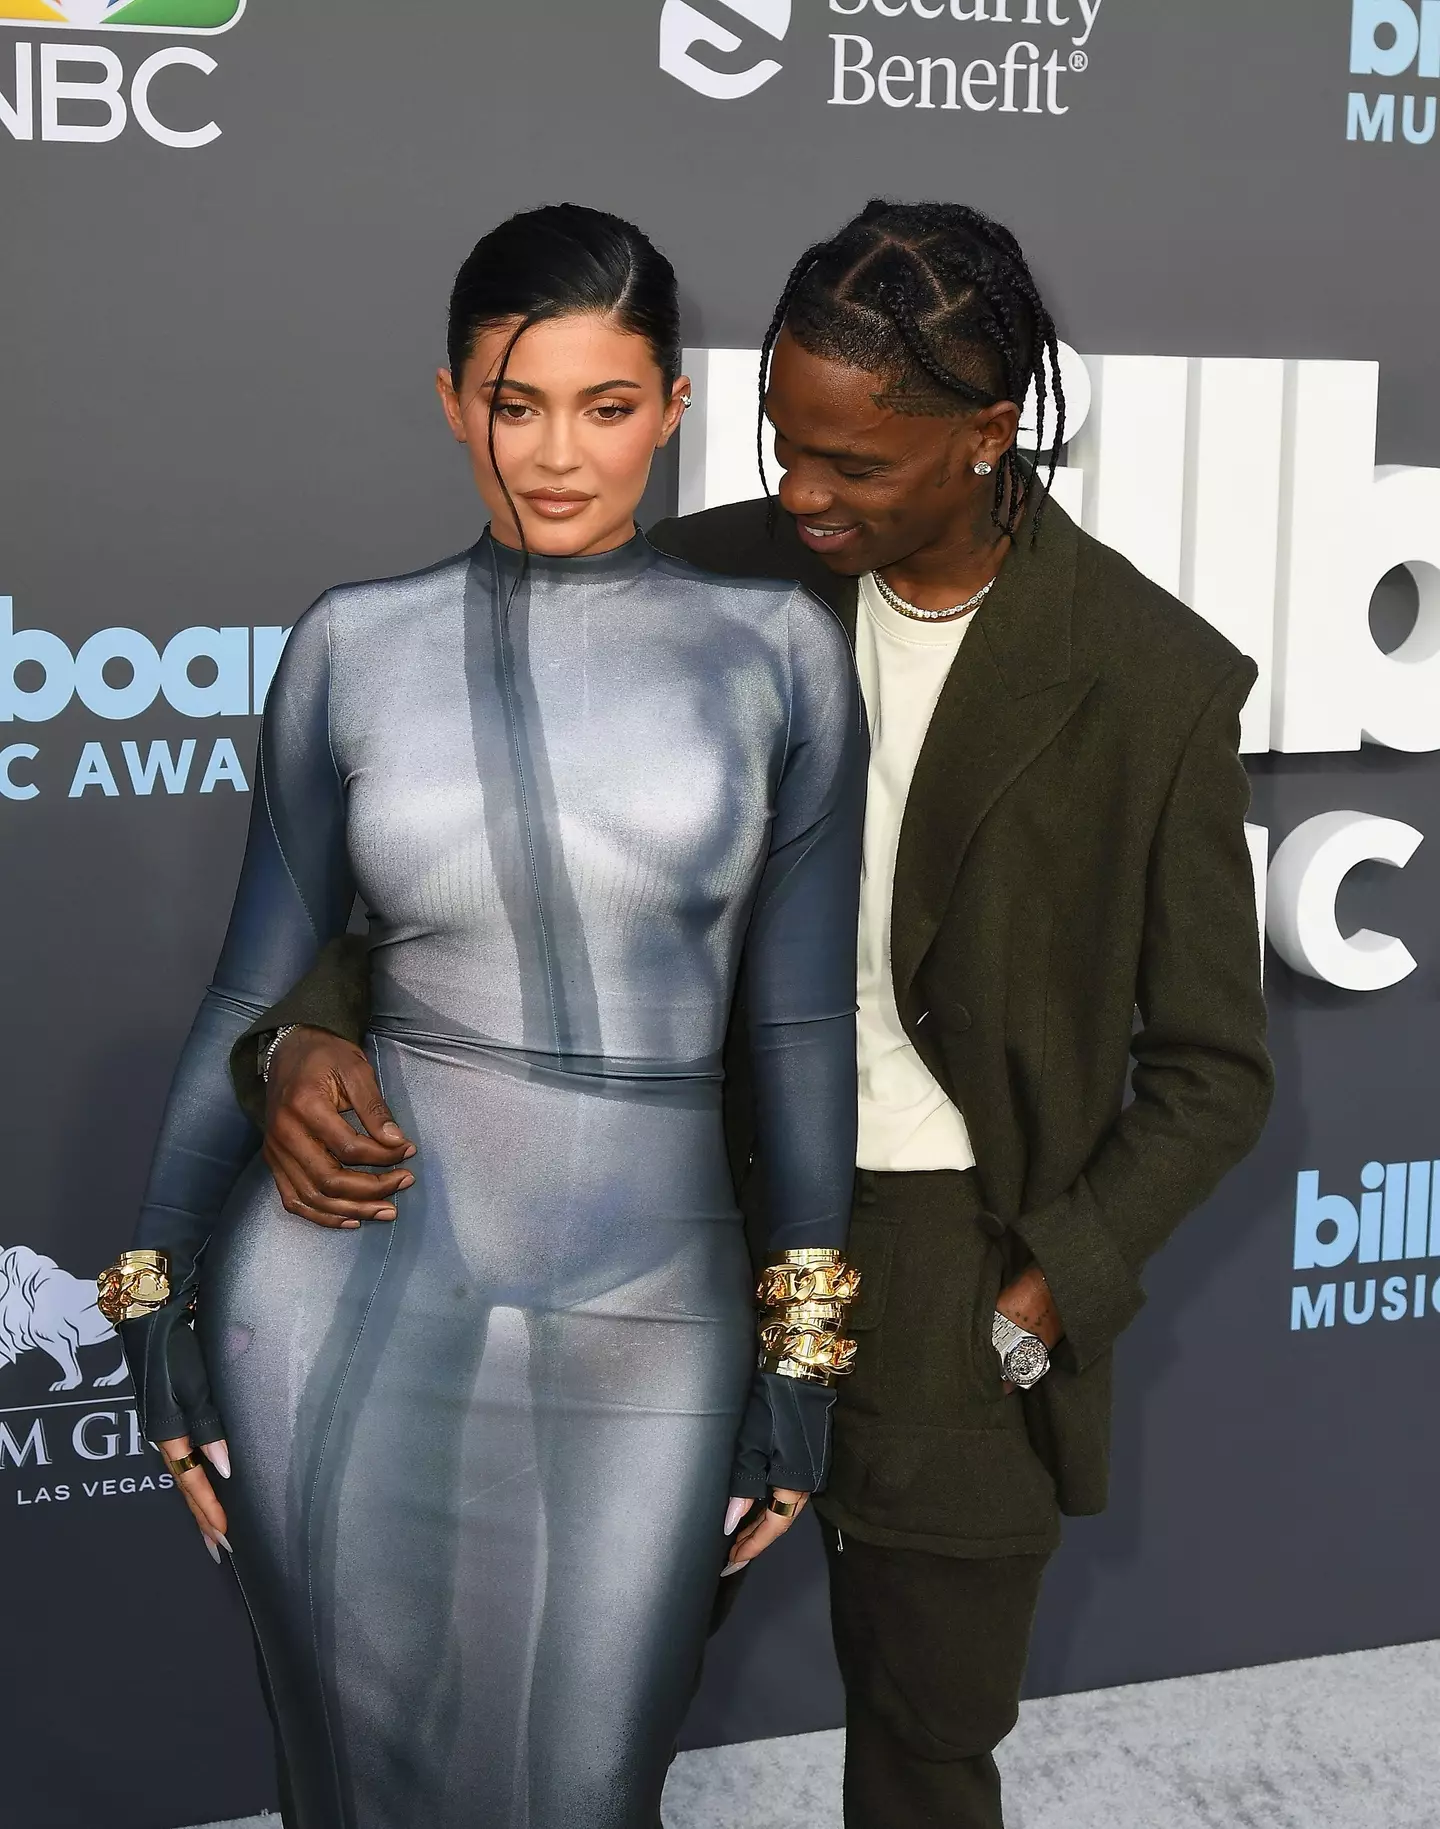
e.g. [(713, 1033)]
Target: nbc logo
[(172, 16), (57, 96)]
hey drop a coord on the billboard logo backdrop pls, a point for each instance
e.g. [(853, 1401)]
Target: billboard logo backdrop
[(685, 28), (117, 675), (1395, 1221), (1390, 40)]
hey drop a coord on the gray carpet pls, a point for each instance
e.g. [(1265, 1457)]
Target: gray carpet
[(1332, 1743)]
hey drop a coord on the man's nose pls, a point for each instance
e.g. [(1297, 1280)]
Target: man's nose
[(801, 494)]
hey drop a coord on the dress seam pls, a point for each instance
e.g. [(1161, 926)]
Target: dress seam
[(310, 1501), (517, 759)]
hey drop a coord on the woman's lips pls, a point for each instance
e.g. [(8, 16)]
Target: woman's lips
[(822, 539), (558, 507)]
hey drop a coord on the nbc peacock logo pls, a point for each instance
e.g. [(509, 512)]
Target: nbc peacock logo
[(56, 95), (175, 17)]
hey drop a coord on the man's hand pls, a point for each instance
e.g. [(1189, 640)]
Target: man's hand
[(312, 1151), (1028, 1303)]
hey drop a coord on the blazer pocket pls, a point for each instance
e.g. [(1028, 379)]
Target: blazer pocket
[(871, 1248), (953, 1486)]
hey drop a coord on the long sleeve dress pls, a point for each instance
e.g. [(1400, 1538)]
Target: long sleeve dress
[(481, 1454)]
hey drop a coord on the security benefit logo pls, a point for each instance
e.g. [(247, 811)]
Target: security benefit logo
[(700, 50), (1368, 1258), (941, 56), (63, 1436), (105, 696), (70, 91), (1395, 47)]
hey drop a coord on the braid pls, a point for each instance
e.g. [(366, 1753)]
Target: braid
[(767, 349), (935, 290)]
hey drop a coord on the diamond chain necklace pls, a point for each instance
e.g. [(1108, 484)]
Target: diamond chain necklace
[(897, 602), (932, 615)]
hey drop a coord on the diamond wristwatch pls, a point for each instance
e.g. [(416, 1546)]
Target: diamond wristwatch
[(1024, 1357)]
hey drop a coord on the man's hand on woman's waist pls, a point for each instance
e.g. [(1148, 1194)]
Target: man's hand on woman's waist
[(325, 1169)]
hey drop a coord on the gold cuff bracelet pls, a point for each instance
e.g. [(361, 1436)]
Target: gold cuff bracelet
[(134, 1286), (804, 1297)]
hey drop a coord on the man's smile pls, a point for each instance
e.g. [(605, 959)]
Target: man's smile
[(825, 537)]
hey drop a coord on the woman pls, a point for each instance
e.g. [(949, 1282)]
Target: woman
[(481, 1456)]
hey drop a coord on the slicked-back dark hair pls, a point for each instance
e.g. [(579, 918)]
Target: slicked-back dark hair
[(937, 299), (555, 261)]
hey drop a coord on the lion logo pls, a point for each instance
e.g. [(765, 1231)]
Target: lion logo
[(43, 1308)]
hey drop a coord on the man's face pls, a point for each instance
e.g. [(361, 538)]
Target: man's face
[(873, 476)]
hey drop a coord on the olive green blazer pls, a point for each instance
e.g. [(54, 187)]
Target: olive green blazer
[(1072, 853)]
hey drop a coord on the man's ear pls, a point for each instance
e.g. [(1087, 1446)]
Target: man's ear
[(994, 429), (681, 396), (450, 403)]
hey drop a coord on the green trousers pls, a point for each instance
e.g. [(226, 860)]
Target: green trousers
[(939, 1519), (932, 1650)]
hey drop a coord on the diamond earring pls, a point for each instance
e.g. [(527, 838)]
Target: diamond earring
[(982, 469), (687, 401)]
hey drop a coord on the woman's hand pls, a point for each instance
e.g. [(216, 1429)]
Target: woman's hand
[(197, 1491), (763, 1530)]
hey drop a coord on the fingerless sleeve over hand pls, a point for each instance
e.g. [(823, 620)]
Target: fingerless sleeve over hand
[(800, 1010)]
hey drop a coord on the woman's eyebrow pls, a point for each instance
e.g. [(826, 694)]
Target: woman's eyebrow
[(538, 393)]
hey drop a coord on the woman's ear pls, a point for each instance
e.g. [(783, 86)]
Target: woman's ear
[(680, 398), (450, 402)]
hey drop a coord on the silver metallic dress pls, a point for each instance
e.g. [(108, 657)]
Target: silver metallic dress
[(482, 1454)]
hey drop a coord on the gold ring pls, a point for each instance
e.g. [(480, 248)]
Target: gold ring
[(782, 1508), (191, 1461)]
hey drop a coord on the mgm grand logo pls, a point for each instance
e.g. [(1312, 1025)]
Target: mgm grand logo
[(58, 1443)]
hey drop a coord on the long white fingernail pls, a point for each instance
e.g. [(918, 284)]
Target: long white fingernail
[(734, 1512), (210, 1545), (224, 1543), (218, 1456), (731, 1568)]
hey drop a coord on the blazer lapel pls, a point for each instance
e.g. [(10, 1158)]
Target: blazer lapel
[(1012, 689)]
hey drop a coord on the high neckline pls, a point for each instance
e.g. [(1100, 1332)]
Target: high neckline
[(627, 561)]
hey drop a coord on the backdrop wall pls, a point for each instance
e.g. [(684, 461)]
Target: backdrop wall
[(225, 271)]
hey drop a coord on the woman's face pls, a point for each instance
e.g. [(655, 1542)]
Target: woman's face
[(579, 416)]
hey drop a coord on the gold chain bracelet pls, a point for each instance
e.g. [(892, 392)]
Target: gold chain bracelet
[(782, 1283), (805, 1353), (804, 1299), (134, 1286)]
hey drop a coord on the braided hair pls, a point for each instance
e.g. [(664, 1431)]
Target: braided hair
[(938, 299)]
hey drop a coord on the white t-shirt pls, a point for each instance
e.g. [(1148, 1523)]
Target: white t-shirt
[(906, 1121)]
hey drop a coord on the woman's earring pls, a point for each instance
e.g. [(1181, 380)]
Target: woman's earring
[(687, 401), (982, 469)]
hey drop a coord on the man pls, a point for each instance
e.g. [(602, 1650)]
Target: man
[(1054, 837)]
